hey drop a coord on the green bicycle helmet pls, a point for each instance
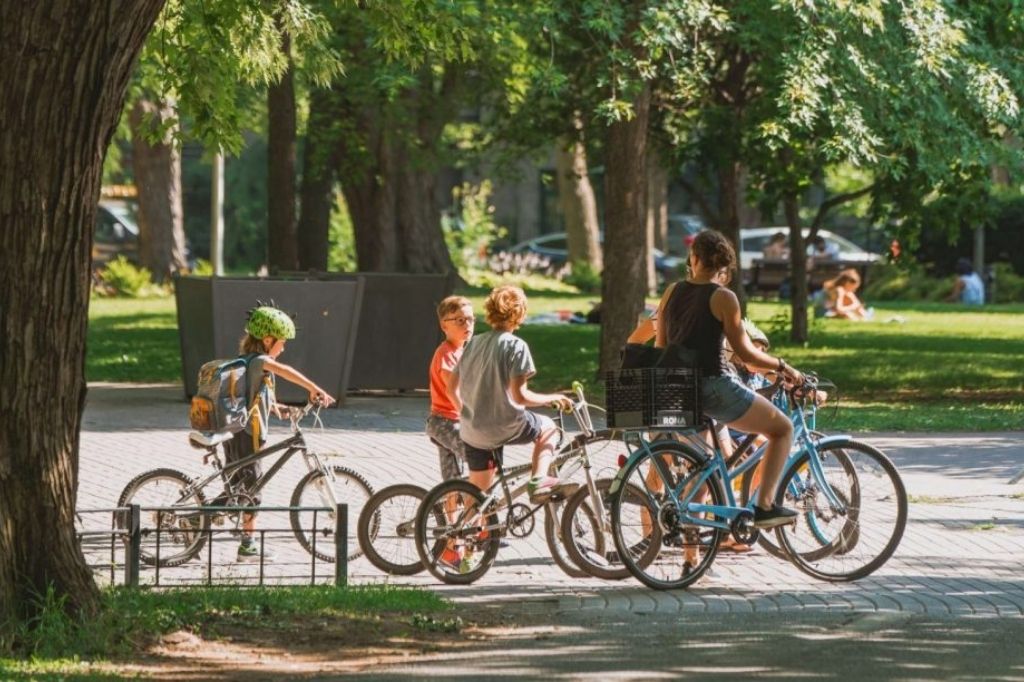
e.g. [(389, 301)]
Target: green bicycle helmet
[(267, 320)]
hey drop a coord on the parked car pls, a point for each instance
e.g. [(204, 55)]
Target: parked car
[(117, 232), (555, 247), (754, 239), (682, 229)]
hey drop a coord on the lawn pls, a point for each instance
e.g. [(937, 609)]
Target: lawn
[(942, 368)]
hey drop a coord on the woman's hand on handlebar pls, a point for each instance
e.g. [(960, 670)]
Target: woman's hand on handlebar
[(792, 376)]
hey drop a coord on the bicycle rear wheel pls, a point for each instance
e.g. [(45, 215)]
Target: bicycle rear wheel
[(174, 537), (454, 543), (845, 545), (315, 529), (387, 529), (644, 513)]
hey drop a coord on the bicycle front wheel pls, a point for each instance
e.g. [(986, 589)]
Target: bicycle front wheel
[(456, 543), (586, 531), (647, 513), (318, 491), (840, 545), (173, 537), (387, 529), (554, 513)]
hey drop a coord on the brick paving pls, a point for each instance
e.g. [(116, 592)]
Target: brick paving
[(961, 555)]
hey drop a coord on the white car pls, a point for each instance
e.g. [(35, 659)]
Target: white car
[(754, 239)]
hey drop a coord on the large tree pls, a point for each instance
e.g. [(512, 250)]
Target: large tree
[(66, 67)]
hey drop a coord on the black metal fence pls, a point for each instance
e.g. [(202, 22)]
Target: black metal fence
[(123, 544)]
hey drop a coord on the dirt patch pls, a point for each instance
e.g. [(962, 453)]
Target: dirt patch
[(315, 647)]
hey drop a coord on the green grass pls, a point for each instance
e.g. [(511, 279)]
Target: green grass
[(58, 647), (946, 368)]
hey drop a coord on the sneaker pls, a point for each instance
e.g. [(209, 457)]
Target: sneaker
[(450, 558), (250, 551), (776, 516), (540, 488)]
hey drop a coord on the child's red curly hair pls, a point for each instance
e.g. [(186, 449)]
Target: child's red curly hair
[(505, 308)]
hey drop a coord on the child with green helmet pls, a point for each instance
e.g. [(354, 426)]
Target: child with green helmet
[(266, 331)]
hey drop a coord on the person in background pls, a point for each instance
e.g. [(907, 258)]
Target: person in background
[(777, 247), (821, 251), (968, 287), (841, 297)]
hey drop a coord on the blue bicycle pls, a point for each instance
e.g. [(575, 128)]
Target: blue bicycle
[(852, 504)]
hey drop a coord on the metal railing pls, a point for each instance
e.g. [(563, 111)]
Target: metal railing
[(131, 532)]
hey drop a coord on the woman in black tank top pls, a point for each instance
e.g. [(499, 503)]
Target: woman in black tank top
[(698, 314)]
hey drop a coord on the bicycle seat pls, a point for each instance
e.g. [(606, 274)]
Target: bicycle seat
[(202, 439)]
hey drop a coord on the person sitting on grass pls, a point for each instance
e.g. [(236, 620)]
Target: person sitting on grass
[(968, 287), (266, 332), (841, 297)]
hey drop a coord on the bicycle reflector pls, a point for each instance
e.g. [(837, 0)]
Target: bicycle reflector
[(623, 458)]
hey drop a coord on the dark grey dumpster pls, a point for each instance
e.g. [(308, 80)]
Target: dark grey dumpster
[(398, 330), (212, 314)]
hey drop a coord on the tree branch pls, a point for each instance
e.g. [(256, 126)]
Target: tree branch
[(831, 203), (712, 215)]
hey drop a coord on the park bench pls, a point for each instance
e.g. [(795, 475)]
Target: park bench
[(770, 275)]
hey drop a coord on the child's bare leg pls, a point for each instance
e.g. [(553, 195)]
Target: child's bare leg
[(543, 452)]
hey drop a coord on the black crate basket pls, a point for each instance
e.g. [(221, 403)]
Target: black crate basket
[(653, 397)]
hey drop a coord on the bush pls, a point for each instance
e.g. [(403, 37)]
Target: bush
[(121, 277), (470, 234), (1008, 286), (584, 277)]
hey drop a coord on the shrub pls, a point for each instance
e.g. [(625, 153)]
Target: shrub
[(470, 234), (120, 277), (1008, 286), (584, 277)]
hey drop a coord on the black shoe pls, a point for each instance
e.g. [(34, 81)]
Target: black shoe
[(776, 516)]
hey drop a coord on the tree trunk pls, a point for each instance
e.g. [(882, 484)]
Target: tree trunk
[(319, 168), (728, 211), (624, 280), (157, 169), (66, 66), (798, 268), (368, 183), (282, 237), (657, 199), (423, 248), (657, 211), (577, 202)]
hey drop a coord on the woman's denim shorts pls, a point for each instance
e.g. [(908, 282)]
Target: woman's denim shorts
[(725, 398)]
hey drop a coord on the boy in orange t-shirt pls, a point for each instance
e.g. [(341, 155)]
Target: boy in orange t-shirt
[(455, 315)]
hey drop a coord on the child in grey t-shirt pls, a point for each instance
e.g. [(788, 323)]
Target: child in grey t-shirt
[(490, 381)]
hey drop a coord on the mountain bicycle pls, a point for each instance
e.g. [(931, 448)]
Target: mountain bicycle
[(175, 536), (851, 501), (457, 514)]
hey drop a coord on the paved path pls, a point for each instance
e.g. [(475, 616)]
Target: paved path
[(962, 552)]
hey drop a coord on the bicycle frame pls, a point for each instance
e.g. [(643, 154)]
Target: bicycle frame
[(716, 465), (296, 443)]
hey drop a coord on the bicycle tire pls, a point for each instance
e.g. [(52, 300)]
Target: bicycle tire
[(554, 512), (387, 533), (357, 492), (701, 539), (846, 553), (165, 521), (599, 558), (765, 540), (431, 539)]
